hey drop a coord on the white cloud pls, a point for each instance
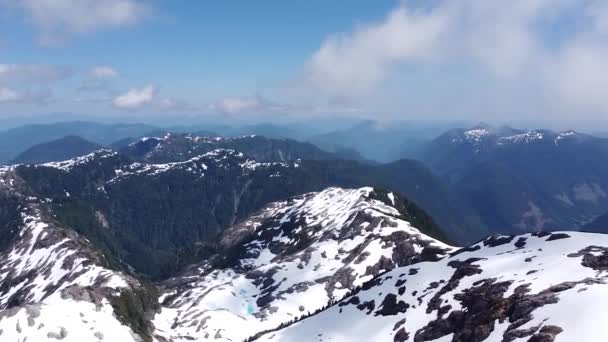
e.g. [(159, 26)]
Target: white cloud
[(522, 44), (9, 95), (40, 96), (252, 104), (31, 83), (578, 78), (103, 72), (33, 73), (351, 64), (57, 18), (135, 98)]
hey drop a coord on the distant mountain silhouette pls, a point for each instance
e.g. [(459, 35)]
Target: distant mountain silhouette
[(61, 149)]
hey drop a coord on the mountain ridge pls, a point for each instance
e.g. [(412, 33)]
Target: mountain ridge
[(520, 180), (323, 244), (528, 296), (225, 186), (68, 147), (324, 260)]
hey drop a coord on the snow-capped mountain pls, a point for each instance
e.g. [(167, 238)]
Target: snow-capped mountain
[(406, 176), (222, 247), (533, 287), (196, 199), (522, 181), (181, 147), (494, 137), (193, 200), (452, 150), (55, 284), (287, 260), (290, 259)]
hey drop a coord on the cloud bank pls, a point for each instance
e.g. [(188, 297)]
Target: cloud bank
[(58, 19), (243, 105), (516, 44), (103, 72), (33, 73)]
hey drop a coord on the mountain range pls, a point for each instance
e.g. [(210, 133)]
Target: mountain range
[(82, 239), (524, 180), (406, 176), (60, 149), (539, 287), (17, 140), (489, 179)]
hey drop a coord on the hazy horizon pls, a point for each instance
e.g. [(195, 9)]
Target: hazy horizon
[(529, 64), (327, 123)]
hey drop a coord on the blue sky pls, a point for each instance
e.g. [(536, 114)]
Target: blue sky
[(232, 44), (534, 60), (202, 49)]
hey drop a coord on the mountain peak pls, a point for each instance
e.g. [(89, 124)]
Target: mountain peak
[(483, 125), (478, 133), (525, 138), (69, 164), (63, 148), (292, 258), (502, 287)]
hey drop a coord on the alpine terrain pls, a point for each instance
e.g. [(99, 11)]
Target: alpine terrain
[(303, 171), (188, 238), (524, 180)]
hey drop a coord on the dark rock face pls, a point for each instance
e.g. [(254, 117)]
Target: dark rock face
[(591, 260), (497, 240), (485, 305), (557, 236), (401, 336), (463, 301), (546, 334), (521, 242), (391, 306), (466, 249), (463, 269)]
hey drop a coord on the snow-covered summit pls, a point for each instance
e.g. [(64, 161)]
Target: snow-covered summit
[(485, 137), (290, 259), (181, 147), (524, 138), (117, 167), (476, 134), (534, 287), (54, 284), (478, 138), (335, 265), (69, 164), (219, 159)]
